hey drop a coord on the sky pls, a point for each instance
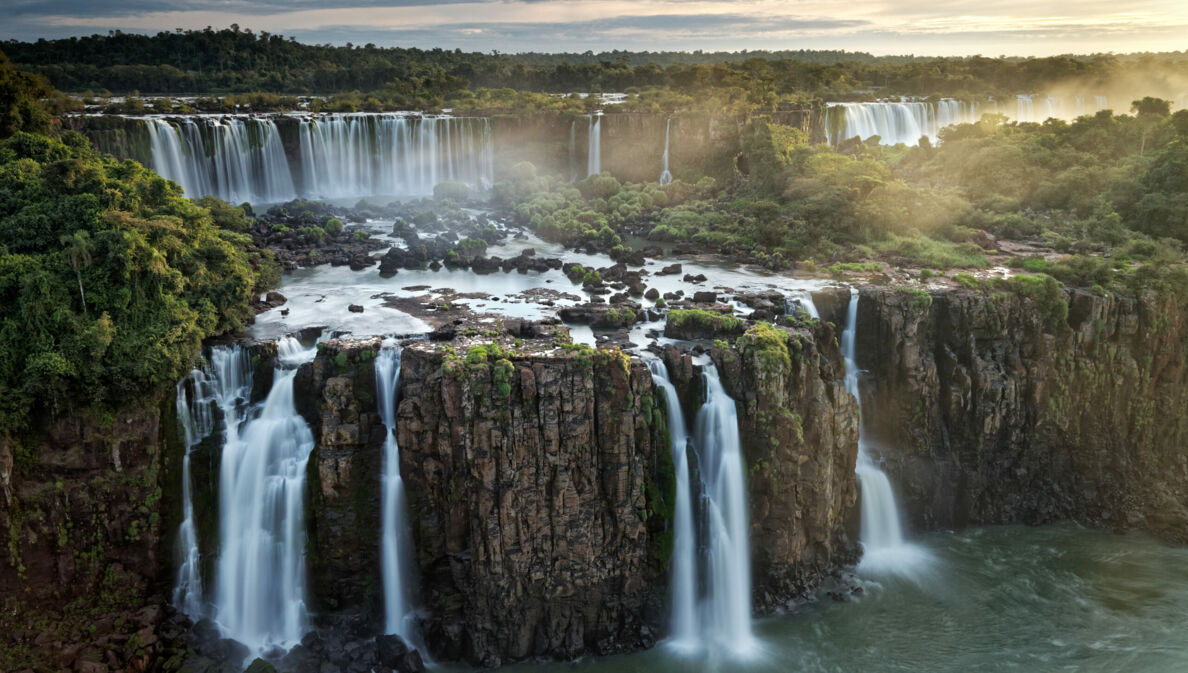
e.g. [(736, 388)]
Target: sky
[(943, 28)]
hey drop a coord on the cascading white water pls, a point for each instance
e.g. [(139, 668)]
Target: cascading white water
[(392, 154), (1035, 108), (573, 175), (726, 609), (226, 383), (338, 156), (884, 550), (896, 122), (195, 414), (395, 542), (236, 159), (684, 632), (801, 300), (665, 176), (260, 574), (594, 145)]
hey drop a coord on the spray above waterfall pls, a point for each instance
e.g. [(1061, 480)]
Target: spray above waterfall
[(884, 550)]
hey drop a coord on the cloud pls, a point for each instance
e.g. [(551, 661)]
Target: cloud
[(1035, 27)]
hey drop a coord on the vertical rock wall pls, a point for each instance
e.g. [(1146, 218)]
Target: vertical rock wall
[(991, 409), (531, 486)]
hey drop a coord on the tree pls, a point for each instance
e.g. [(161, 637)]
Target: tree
[(1151, 106), (79, 247), (1151, 113), (19, 106)]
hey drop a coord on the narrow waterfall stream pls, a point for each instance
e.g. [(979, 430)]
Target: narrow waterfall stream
[(594, 147), (665, 176), (260, 576), (395, 541), (884, 550), (195, 414), (573, 175), (224, 382), (683, 625)]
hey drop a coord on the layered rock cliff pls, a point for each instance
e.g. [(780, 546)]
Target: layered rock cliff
[(993, 408), (84, 515), (533, 492)]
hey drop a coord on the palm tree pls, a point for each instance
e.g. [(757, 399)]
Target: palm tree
[(78, 252)]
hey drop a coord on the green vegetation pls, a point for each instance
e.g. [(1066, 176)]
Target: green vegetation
[(1106, 191), (695, 319), (258, 67), (109, 279), (1045, 292), (768, 344)]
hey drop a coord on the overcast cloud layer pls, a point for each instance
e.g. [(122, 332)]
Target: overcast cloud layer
[(988, 27)]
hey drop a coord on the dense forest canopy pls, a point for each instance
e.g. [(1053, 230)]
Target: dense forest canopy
[(237, 61), (109, 278)]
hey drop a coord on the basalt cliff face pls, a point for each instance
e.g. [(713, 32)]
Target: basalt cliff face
[(530, 489), (991, 409), (84, 514), (534, 499), (540, 488)]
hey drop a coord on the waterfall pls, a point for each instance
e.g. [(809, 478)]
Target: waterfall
[(895, 122), (726, 610), (236, 159), (395, 542), (715, 545), (1025, 108), (573, 150), (665, 176), (884, 550), (801, 300), (683, 628), (594, 148), (346, 156), (260, 575), (336, 156), (225, 382), (195, 414)]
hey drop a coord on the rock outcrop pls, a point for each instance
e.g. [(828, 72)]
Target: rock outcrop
[(990, 408), (798, 428), (81, 505), (531, 487)]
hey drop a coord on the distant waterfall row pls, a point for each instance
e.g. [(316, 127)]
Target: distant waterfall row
[(896, 123), (333, 156), (907, 122), (1035, 108)]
